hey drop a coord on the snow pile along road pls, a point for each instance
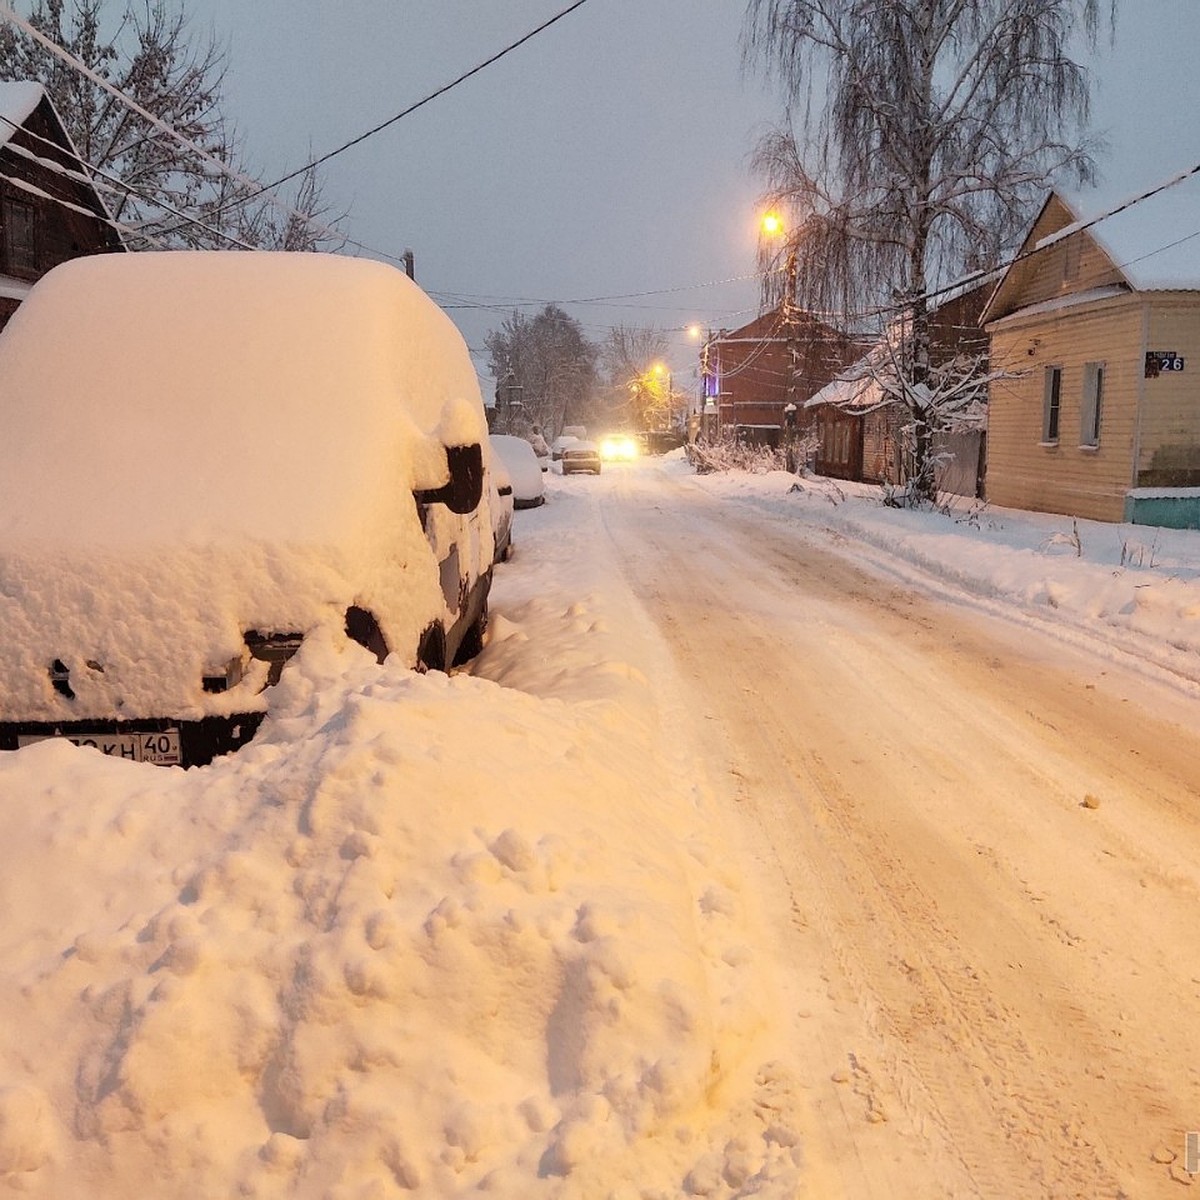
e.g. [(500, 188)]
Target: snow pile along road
[(1131, 588), (425, 934)]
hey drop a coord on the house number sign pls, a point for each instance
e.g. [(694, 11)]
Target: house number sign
[(1158, 361)]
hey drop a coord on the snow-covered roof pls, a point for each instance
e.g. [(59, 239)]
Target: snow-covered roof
[(1069, 300), (1155, 242), (201, 443), (856, 389), (14, 289), (17, 102)]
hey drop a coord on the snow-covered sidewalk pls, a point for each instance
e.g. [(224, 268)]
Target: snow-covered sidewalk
[(1132, 589)]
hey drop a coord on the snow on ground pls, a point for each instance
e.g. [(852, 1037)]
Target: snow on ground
[(441, 935), (1132, 588)]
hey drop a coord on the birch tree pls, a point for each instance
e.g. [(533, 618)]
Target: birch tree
[(917, 138)]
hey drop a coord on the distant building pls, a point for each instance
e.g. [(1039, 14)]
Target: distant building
[(746, 371), (861, 429), (49, 210)]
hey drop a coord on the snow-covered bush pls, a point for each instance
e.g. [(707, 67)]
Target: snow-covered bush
[(729, 454)]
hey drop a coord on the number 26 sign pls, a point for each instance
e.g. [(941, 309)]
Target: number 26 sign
[(1159, 361)]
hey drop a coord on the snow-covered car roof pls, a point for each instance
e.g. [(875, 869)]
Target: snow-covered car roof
[(523, 467), (200, 443)]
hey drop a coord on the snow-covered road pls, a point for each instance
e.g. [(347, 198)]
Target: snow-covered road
[(976, 845)]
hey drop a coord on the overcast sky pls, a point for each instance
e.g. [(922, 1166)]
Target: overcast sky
[(606, 157)]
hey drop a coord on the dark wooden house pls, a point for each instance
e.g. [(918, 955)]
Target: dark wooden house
[(861, 431), (49, 210)]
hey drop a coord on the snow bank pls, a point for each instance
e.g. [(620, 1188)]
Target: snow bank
[(426, 935)]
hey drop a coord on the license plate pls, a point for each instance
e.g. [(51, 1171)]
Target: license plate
[(161, 748)]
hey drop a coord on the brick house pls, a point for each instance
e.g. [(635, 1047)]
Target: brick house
[(746, 371), (46, 215)]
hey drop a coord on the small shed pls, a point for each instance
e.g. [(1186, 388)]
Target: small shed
[(1096, 326), (50, 211)]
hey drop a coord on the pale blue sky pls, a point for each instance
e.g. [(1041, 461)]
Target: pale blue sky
[(605, 157)]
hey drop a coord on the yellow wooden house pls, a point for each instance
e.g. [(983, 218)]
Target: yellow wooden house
[(1096, 327)]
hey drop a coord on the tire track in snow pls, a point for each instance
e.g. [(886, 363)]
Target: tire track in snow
[(998, 1100)]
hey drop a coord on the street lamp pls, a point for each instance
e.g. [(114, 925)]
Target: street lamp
[(661, 371)]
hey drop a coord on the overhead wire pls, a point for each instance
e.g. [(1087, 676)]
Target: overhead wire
[(412, 108), (59, 52), (33, 190), (112, 183)]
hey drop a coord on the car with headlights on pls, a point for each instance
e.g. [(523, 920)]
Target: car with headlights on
[(210, 458), (619, 447)]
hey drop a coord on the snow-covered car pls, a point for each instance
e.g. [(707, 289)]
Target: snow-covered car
[(502, 508), (529, 488), (559, 444), (581, 456), (210, 457)]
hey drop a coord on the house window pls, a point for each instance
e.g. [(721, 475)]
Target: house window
[(1093, 395), (20, 244), (1052, 398)]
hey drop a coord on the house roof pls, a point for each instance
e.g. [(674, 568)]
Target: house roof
[(1154, 241), (17, 102), (860, 393)]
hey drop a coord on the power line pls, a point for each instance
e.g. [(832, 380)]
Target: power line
[(412, 108), (41, 194), (113, 183), (82, 68)]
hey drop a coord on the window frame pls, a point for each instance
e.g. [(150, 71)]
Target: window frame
[(1092, 405), (1051, 405)]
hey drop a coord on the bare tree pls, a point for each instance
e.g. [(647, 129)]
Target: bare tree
[(545, 369), (627, 357), (149, 54), (942, 123)]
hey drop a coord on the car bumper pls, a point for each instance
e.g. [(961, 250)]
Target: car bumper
[(195, 744)]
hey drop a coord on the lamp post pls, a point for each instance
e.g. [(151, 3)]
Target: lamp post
[(773, 227)]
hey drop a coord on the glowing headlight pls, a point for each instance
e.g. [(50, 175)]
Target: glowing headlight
[(618, 448)]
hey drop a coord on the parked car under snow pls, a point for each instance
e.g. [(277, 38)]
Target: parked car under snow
[(524, 469), (207, 458)]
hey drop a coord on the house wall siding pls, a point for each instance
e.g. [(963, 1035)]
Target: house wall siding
[(60, 231), (1022, 471), (1169, 438), (1076, 264)]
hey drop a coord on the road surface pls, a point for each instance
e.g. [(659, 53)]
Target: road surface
[(977, 847)]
